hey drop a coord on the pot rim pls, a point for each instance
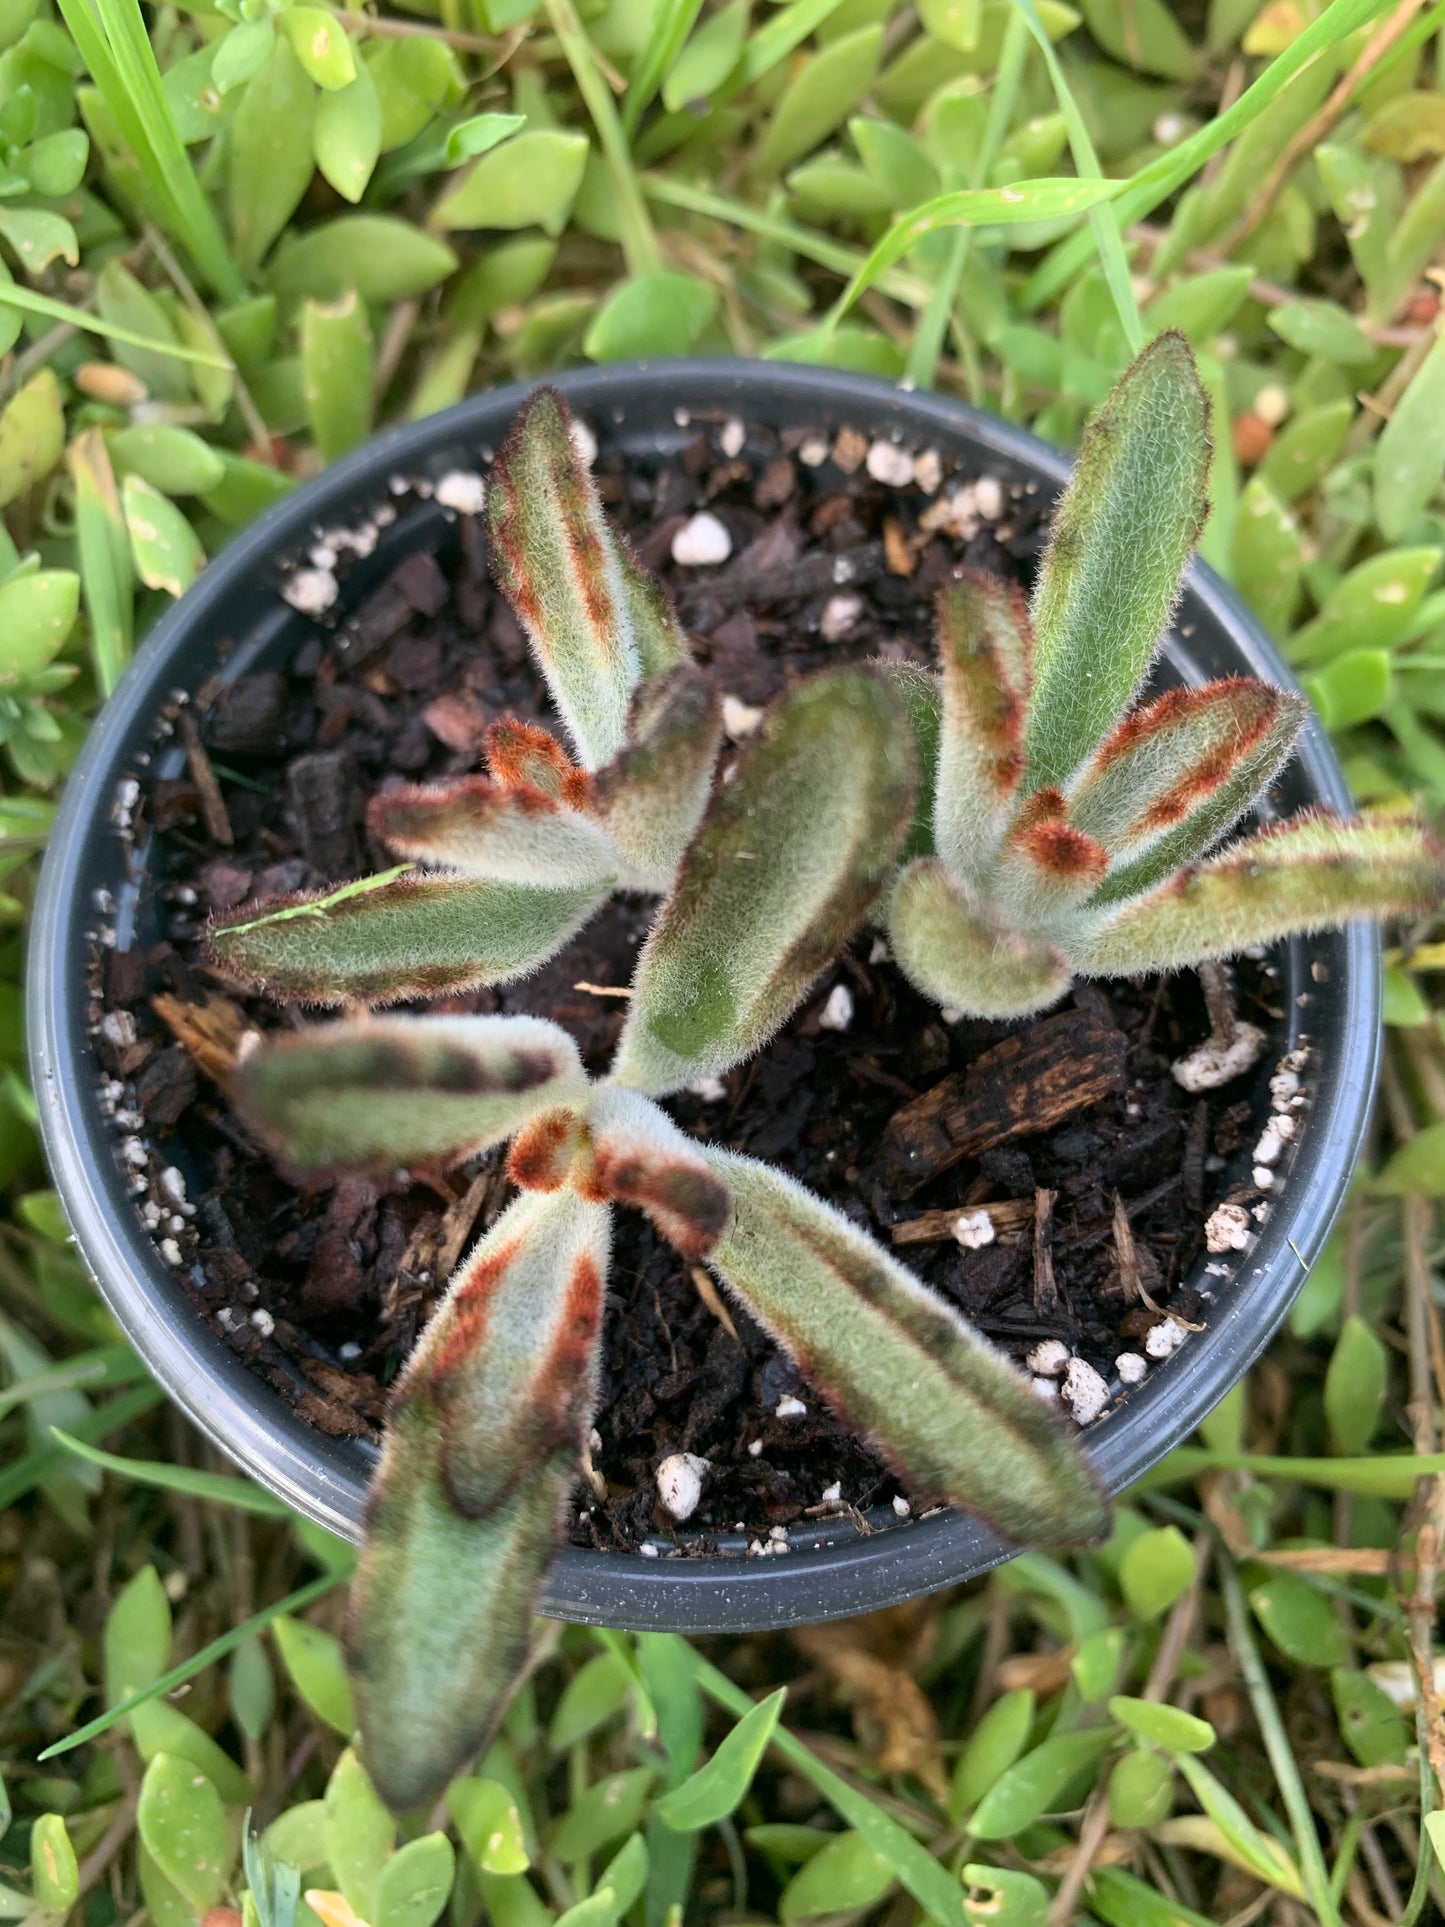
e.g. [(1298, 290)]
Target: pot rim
[(323, 1477)]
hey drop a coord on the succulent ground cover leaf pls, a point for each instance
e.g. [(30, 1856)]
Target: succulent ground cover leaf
[(898, 1362), (398, 937), (481, 1452), (1308, 874), (785, 865), (1121, 537), (383, 1092), (1072, 831), (596, 622)]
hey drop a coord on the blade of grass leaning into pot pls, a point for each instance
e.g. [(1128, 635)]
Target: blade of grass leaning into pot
[(1119, 543), (397, 936), (559, 566), (486, 1425), (1183, 769), (651, 796), (215, 1487), (1312, 873), (383, 1092), (946, 946), (985, 649), (787, 862), (899, 1363)]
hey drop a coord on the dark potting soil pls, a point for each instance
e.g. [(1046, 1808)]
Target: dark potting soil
[(1100, 1168)]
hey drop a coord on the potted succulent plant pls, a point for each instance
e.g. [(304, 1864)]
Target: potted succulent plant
[(1010, 822)]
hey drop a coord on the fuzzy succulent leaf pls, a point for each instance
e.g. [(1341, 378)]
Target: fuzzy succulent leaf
[(661, 644), (481, 1453), (519, 835), (640, 1157), (922, 696), (651, 797), (899, 1363), (945, 947), (1189, 750), (1121, 538), (560, 569), (1311, 873), (787, 862), (526, 756), (398, 937), (1046, 866), (985, 650), (384, 1092)]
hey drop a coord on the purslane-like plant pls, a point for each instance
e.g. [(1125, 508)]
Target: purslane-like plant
[(1072, 832), (518, 860), (489, 1416)]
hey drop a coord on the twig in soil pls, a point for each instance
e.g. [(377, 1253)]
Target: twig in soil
[(211, 1031), (1012, 1220), (1131, 1268), (604, 990), (1046, 1290), (708, 1292), (213, 804)]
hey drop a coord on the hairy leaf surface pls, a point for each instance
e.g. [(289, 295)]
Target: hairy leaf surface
[(651, 797), (1312, 873), (560, 569), (985, 653), (480, 1456), (1120, 540), (383, 1092), (788, 860), (1189, 751), (519, 835), (943, 944), (392, 938), (640, 1157), (898, 1363)]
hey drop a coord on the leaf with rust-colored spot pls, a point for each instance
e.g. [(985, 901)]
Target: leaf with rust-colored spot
[(944, 943), (519, 835), (383, 1092), (640, 1157), (985, 649), (480, 1454), (651, 797)]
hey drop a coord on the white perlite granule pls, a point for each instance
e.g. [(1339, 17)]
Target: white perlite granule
[(1131, 1367), (462, 490), (1086, 1390), (791, 1407), (312, 591), (973, 1230), (679, 1484), (1212, 1064), (890, 464), (837, 1013), (701, 543), (740, 719), (1227, 1228), (1049, 1358), (1164, 1339)]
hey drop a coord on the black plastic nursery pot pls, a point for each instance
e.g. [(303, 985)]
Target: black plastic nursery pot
[(1330, 990)]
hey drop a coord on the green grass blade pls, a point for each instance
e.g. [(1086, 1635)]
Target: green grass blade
[(1386, 1475), (671, 25), (1162, 177), (786, 31), (1104, 220), (639, 243), (294, 1602), (12, 295), (30, 1468), (930, 1884), (217, 1488), (928, 340), (107, 1365)]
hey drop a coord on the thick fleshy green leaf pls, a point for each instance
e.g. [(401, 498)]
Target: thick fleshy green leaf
[(487, 1421), (173, 460), (985, 652), (391, 938), (312, 1658), (1206, 750), (718, 1787), (557, 562), (37, 613), (414, 1884), (357, 1831), (904, 1366), (943, 944), (271, 151), (54, 1870), (32, 436), (991, 1748), (1120, 540), (1032, 1786), (165, 549), (1355, 1385), (1410, 453), (784, 867), (182, 1822), (384, 259), (336, 372), (651, 797), (347, 137), (661, 643), (319, 42), (529, 181), (1046, 867), (517, 835), (383, 1092), (1312, 873)]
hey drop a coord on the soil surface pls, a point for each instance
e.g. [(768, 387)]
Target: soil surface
[(1100, 1167)]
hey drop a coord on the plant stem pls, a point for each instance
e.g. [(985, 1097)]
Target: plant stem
[(1277, 1746), (639, 241)]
